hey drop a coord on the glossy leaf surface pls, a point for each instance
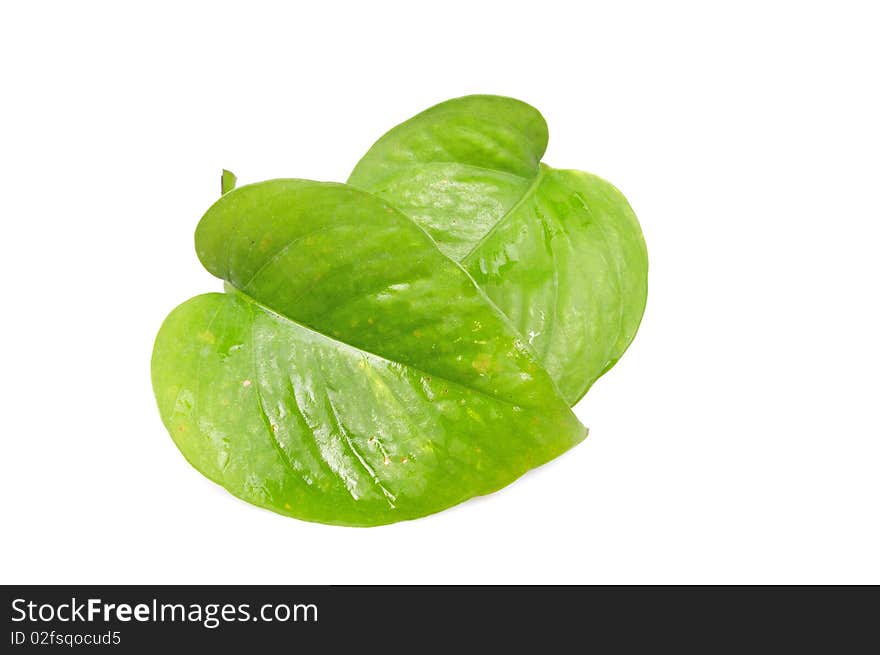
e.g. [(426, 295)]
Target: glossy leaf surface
[(560, 252), (351, 373)]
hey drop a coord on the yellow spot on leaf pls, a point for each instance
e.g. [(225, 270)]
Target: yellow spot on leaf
[(207, 337), (245, 383), (482, 363)]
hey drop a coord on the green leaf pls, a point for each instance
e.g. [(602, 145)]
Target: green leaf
[(351, 373), (227, 181), (560, 252)]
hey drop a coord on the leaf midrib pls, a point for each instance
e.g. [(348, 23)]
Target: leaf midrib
[(534, 182), (528, 193), (233, 291)]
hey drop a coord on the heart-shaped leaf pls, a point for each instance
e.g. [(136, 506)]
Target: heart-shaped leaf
[(559, 251), (351, 373)]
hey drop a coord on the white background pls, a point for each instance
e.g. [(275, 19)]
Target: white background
[(736, 442)]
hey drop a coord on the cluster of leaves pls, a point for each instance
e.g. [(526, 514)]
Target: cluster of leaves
[(392, 346)]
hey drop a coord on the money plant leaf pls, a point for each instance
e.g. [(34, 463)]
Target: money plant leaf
[(560, 252), (351, 373)]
